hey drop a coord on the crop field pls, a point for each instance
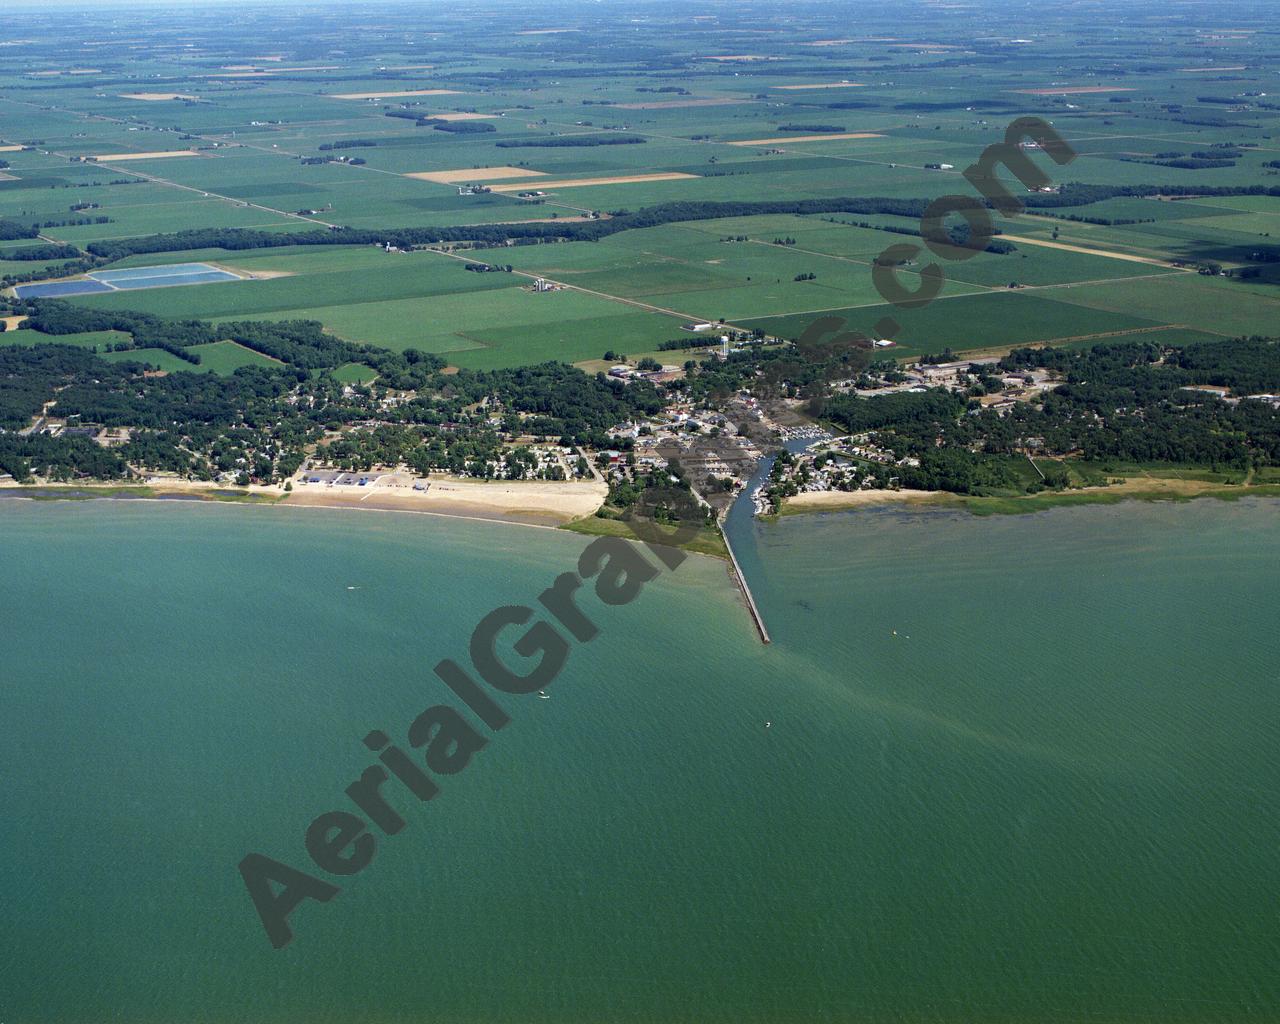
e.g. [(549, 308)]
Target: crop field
[(993, 320), (478, 125), (222, 357), (495, 327), (354, 373), (313, 279)]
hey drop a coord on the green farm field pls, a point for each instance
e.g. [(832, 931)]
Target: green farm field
[(224, 357), (359, 277), (993, 320), (507, 326), (87, 339)]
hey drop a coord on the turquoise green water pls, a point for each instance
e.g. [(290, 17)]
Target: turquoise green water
[(1051, 795)]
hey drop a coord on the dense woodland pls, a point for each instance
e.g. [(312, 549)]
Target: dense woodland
[(1117, 403), (11, 230), (260, 422)]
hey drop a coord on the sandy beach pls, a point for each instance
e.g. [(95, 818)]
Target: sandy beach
[(1133, 488), (825, 501), (534, 502), (525, 502)]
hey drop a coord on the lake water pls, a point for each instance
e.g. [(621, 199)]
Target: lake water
[(1015, 769)]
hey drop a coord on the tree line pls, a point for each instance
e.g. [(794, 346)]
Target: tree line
[(235, 239)]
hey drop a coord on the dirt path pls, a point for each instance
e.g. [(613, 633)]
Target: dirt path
[(1066, 247)]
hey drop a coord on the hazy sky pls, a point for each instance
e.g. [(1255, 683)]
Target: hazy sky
[(177, 5)]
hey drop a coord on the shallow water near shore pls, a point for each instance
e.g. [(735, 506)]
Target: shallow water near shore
[(1014, 768)]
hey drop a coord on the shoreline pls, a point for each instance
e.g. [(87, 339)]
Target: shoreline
[(838, 501), (1145, 490), (272, 497), (526, 503), (398, 511), (532, 503), (152, 495)]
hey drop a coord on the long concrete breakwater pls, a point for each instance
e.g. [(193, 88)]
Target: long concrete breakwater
[(738, 575)]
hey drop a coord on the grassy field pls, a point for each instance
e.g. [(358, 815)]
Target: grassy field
[(355, 373), (222, 357), (991, 320), (226, 357), (1207, 304), (497, 327), (100, 340)]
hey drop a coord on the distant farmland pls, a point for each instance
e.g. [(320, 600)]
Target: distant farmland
[(364, 140)]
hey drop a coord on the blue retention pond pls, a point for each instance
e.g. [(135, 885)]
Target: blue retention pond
[(128, 280), (161, 277), (56, 289), (169, 280)]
